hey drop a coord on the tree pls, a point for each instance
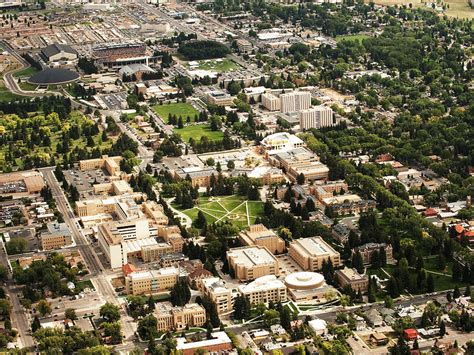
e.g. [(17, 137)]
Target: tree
[(180, 294), (230, 165), (3, 273), (110, 312), (147, 328), (442, 328), (44, 307), (36, 324), (113, 330), (300, 179), (16, 246), (388, 301), (358, 262), (70, 313), (456, 292), (285, 318), (467, 293), (270, 316), (200, 221), (241, 307), (430, 287)]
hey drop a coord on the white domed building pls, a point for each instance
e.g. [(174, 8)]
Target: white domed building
[(306, 286)]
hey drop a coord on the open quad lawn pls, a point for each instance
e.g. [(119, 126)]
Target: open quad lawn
[(233, 208), (196, 131), (179, 109)]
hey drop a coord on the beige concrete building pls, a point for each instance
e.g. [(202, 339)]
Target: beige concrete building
[(116, 187), (21, 184), (110, 164), (316, 117), (300, 161), (264, 289), (57, 236), (249, 263), (151, 281), (270, 102), (155, 213), (309, 253), (295, 101), (219, 98), (350, 277), (260, 235), (179, 318), (172, 235), (216, 290)]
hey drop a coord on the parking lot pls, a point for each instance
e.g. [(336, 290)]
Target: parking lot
[(84, 180)]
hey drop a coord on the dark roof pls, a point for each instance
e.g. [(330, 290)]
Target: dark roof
[(56, 48), (50, 76)]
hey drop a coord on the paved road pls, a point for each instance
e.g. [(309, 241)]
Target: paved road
[(19, 319), (99, 277)]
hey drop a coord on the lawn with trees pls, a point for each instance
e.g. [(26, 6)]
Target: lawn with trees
[(206, 49)]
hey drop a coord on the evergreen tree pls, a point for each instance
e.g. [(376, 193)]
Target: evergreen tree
[(467, 293), (358, 262), (180, 294), (430, 287), (36, 324), (456, 293), (442, 328)]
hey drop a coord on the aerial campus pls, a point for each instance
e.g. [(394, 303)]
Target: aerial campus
[(236, 177)]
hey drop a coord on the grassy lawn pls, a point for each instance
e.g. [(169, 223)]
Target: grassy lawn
[(218, 65), (27, 86), (178, 109), (81, 285), (232, 208), (5, 94), (432, 265), (27, 72), (358, 38), (442, 283), (197, 131)]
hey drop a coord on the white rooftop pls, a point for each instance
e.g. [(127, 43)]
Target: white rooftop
[(217, 338), (262, 284), (251, 256)]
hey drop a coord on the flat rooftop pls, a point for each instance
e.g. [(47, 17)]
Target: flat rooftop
[(314, 246), (252, 256)]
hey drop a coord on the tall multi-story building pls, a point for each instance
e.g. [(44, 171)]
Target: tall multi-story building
[(295, 101), (220, 295), (309, 253), (249, 263), (258, 234), (316, 117), (151, 281), (179, 318), (351, 277), (264, 289), (270, 102)]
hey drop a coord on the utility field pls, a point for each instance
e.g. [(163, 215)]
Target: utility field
[(182, 109)]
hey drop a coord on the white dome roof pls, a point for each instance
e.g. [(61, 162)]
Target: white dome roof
[(304, 280)]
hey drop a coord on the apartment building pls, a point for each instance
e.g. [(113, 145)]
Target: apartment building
[(316, 117), (110, 164), (270, 102), (309, 253), (258, 234), (216, 290), (151, 281), (249, 263), (351, 278), (179, 318), (57, 236), (264, 289), (367, 251), (295, 101)]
